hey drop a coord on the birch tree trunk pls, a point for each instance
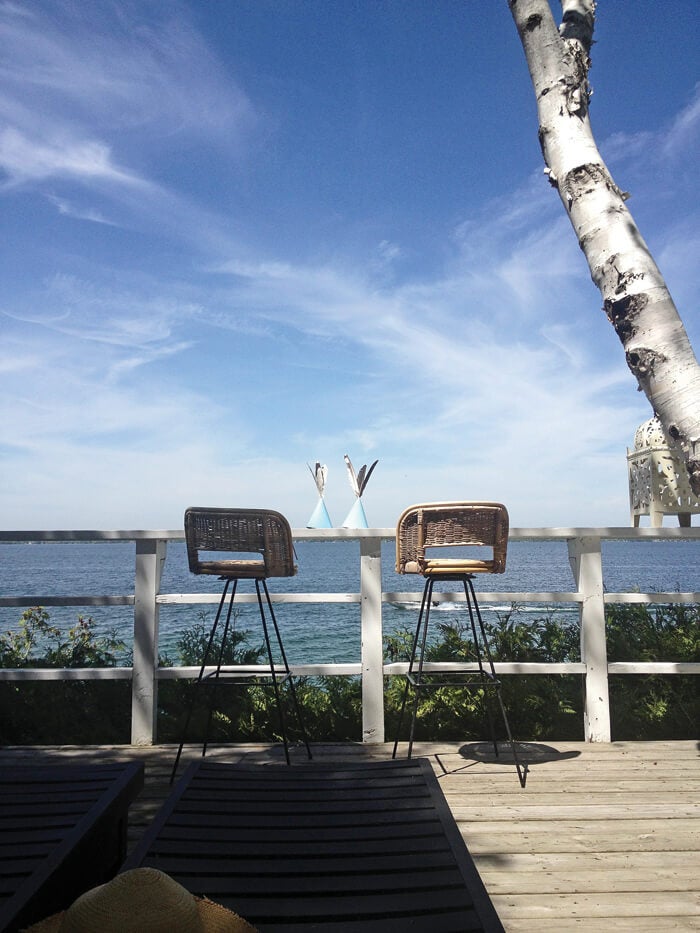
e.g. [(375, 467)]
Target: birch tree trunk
[(635, 296)]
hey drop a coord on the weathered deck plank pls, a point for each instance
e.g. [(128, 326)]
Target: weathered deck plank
[(601, 836)]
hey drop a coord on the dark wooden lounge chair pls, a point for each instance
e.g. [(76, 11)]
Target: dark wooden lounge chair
[(333, 847), (62, 831)]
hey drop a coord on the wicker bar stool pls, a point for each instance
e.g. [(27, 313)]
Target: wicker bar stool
[(243, 532), (421, 531)]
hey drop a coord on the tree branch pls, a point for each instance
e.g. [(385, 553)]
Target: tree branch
[(578, 21)]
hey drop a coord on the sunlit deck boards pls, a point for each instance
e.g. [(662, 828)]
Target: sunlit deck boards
[(602, 837)]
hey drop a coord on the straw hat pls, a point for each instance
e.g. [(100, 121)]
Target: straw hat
[(143, 900)]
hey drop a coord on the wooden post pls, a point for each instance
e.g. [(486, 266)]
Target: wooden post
[(587, 567), (150, 557), (371, 634)]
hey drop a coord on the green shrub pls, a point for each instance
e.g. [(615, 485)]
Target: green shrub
[(54, 712), (540, 707), (238, 714), (79, 647), (654, 706)]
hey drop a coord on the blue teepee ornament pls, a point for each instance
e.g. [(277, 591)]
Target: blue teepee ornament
[(356, 517), (319, 517)]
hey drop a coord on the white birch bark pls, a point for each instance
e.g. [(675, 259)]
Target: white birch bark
[(635, 296)]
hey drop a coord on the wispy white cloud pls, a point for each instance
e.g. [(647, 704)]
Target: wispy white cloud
[(96, 95), (122, 66), (665, 146), (104, 314), (442, 356), (684, 129), (625, 147), (69, 209), (15, 360), (23, 160)]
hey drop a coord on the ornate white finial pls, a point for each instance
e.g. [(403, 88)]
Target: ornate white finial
[(651, 434)]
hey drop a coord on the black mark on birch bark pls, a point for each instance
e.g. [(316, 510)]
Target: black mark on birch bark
[(642, 361), (623, 312)]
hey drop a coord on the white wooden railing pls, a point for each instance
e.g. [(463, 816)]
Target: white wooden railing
[(584, 549)]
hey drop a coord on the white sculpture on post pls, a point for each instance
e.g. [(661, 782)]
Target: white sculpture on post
[(356, 517), (320, 517), (658, 478)]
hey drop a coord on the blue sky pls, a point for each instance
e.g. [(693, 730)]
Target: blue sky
[(238, 236)]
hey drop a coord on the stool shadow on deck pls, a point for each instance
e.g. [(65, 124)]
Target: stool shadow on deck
[(529, 754)]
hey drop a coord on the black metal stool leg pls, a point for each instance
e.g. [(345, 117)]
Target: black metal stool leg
[(200, 676), (287, 672), (521, 770), (273, 674), (411, 662), (479, 640), (213, 679), (418, 679)]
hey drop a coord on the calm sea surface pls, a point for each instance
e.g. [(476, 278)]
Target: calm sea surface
[(316, 633)]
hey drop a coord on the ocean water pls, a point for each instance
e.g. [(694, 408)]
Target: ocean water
[(318, 632)]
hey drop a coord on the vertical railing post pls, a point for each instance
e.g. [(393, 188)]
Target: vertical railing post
[(587, 566), (150, 557), (372, 653)]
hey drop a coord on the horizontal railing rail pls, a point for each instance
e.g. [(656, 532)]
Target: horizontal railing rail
[(585, 558)]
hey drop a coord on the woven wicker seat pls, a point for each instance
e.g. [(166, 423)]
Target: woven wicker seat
[(422, 530), (243, 533), (451, 524)]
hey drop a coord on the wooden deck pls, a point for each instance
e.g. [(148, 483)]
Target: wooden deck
[(602, 837)]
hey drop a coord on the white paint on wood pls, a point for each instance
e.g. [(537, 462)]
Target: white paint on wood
[(150, 559), (587, 567), (372, 649)]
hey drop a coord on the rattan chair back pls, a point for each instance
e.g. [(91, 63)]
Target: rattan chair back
[(451, 524), (239, 531)]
